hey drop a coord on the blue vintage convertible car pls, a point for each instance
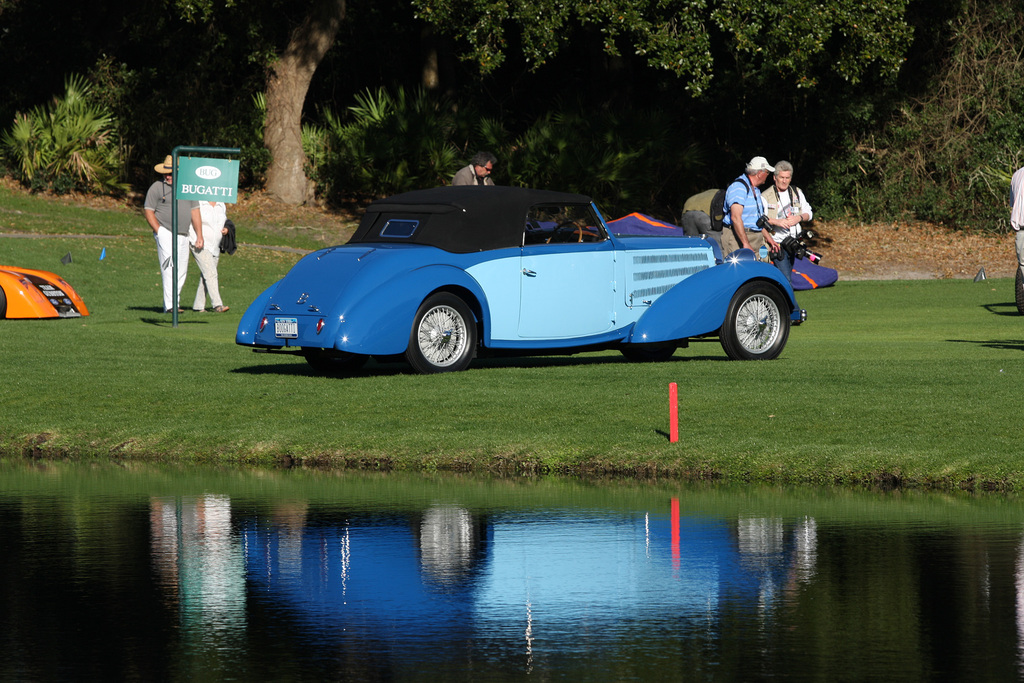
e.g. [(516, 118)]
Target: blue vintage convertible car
[(445, 274)]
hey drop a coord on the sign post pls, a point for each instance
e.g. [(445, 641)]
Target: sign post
[(198, 179)]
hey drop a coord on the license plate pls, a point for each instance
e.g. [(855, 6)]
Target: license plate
[(286, 328)]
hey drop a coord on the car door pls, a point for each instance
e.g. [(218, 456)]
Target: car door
[(568, 279), (567, 291)]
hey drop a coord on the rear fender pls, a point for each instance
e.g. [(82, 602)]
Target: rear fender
[(698, 304), (380, 322), (250, 321)]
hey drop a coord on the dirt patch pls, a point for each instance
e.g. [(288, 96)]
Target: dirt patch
[(911, 251)]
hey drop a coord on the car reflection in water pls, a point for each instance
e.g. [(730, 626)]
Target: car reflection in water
[(376, 577), (449, 575)]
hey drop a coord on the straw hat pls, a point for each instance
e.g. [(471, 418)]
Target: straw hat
[(164, 168)]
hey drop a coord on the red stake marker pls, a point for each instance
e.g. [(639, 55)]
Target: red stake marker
[(673, 413)]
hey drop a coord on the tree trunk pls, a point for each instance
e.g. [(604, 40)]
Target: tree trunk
[(431, 75), (287, 85)]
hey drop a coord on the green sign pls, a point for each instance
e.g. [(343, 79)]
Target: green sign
[(207, 180)]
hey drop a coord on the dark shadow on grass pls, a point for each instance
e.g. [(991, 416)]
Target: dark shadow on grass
[(1004, 344), (1009, 309), (167, 321), (400, 367), (298, 367)]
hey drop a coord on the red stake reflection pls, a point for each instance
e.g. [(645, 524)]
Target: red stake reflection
[(675, 533)]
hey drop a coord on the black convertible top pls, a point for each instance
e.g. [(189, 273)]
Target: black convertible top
[(459, 219)]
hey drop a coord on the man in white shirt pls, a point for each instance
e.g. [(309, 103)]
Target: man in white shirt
[(786, 203)]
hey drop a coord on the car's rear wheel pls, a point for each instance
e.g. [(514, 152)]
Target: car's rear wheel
[(658, 352), (1018, 292), (443, 337), (3, 304), (756, 326), (333, 363)]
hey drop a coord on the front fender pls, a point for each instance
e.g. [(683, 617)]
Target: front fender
[(250, 321), (698, 304), (379, 323), (24, 295)]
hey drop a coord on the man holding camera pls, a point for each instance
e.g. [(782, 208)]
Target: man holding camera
[(745, 220), (785, 206)]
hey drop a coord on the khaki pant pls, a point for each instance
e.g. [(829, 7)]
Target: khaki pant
[(209, 282), (729, 243)]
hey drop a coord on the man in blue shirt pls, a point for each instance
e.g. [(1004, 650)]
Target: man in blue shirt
[(743, 206)]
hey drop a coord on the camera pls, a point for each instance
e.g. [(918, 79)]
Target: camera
[(798, 250), (794, 246)]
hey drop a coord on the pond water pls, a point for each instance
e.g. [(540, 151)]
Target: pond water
[(153, 573)]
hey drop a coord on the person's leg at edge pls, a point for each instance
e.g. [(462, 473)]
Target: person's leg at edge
[(784, 262), (1018, 238)]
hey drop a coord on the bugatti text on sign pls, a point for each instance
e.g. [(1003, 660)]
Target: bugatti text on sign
[(207, 190)]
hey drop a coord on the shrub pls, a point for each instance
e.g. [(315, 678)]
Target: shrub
[(944, 157), (630, 160), (390, 143), (70, 144)]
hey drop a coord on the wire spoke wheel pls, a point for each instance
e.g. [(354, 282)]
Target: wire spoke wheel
[(443, 335), (758, 323), (756, 326)]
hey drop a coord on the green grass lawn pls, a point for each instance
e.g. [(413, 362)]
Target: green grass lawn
[(904, 381)]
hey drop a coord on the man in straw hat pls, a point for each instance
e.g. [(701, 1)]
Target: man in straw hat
[(157, 208)]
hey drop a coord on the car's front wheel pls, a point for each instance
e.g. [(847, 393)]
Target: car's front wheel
[(443, 337), (756, 326)]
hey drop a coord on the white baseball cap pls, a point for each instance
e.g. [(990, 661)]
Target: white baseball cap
[(760, 164)]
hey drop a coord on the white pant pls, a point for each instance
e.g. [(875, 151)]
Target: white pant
[(163, 253), (208, 283), (1018, 239)]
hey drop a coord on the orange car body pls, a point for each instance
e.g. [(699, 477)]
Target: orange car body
[(27, 293)]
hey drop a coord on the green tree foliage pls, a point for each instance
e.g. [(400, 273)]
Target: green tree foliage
[(799, 38), (70, 144), (887, 108)]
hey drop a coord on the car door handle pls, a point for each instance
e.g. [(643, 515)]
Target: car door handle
[(529, 273)]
